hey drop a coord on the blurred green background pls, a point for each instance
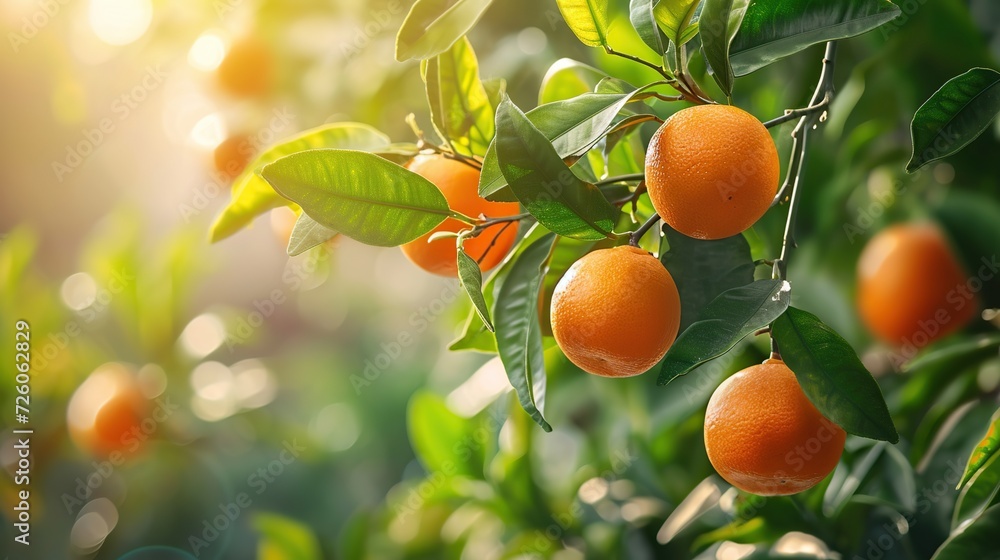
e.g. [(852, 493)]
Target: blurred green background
[(295, 365)]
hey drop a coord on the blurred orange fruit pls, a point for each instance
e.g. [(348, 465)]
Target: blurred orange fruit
[(459, 183), (616, 312), (764, 436), (232, 155), (283, 221), (711, 171), (911, 287), (247, 69), (106, 411)]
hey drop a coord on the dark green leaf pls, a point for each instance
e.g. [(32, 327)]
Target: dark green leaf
[(283, 537), (976, 540), (641, 16), (954, 116), (435, 432), (572, 126), (972, 223), (725, 321), (832, 375), (460, 107), (972, 349), (360, 195), (433, 26), (845, 482), (979, 493), (306, 234), (544, 184), (677, 18), (252, 196), (588, 19), (774, 30), (519, 337), (986, 449), (704, 269), (471, 278), (720, 20)]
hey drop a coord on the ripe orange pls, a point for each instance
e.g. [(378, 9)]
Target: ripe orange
[(459, 183), (616, 312), (232, 155), (764, 436), (247, 68), (712, 171), (911, 288), (105, 409)]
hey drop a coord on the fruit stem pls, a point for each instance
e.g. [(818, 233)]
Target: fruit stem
[(681, 85), (621, 179), (633, 239)]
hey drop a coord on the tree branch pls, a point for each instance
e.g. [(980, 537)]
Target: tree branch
[(633, 239)]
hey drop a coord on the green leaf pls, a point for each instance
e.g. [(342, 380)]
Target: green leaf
[(974, 349), (984, 451), (979, 493), (252, 196), (641, 16), (460, 106), (471, 278), (475, 335), (588, 19), (972, 223), (832, 375), (306, 234), (954, 116), (433, 26), (725, 321), (704, 269), (572, 126), (568, 78), (360, 195), (976, 540), (519, 338), (544, 184), (436, 432), (677, 17), (774, 30), (283, 538), (720, 20)]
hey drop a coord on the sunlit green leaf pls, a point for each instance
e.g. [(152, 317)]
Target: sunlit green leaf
[(282, 538), (984, 451), (832, 375), (359, 194), (588, 19), (432, 26), (519, 337), (704, 269), (954, 116), (720, 20), (773, 30), (544, 184), (676, 17), (252, 196), (568, 78), (306, 234), (978, 493), (460, 106), (729, 318), (436, 433)]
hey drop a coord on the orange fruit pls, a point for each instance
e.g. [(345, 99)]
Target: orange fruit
[(616, 312), (106, 411), (459, 183), (247, 68), (911, 288), (764, 436), (711, 171), (232, 155)]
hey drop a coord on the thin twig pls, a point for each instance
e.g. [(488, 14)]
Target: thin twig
[(621, 179), (633, 239), (493, 241)]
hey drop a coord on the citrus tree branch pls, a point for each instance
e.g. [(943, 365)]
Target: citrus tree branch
[(633, 239), (807, 121), (687, 93)]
